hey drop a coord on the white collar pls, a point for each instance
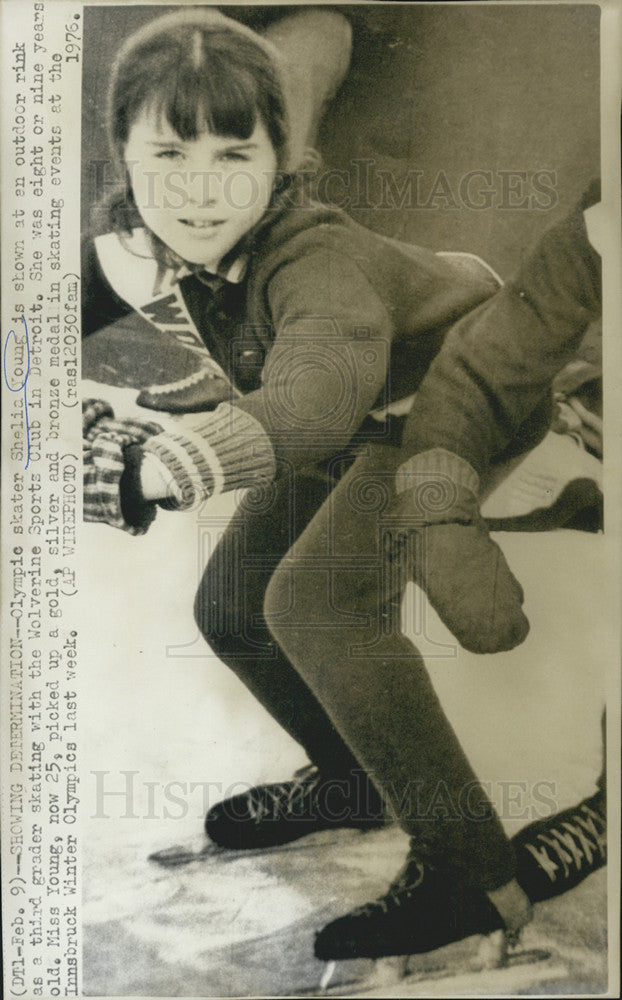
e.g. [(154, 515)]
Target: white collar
[(233, 275)]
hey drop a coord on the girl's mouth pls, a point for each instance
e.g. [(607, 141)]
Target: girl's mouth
[(202, 223)]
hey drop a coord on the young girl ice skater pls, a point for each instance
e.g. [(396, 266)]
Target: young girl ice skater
[(306, 327)]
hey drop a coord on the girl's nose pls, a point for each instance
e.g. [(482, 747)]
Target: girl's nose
[(204, 186), (202, 189)]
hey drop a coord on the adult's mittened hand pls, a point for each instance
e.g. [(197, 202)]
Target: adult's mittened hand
[(437, 529)]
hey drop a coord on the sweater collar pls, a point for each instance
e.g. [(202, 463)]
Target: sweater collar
[(233, 273)]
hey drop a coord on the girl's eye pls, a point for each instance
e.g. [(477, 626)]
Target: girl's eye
[(168, 154), (232, 157)]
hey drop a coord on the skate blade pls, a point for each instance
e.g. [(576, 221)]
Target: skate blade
[(180, 854), (367, 973), (327, 975), (500, 949), (361, 975), (172, 857), (492, 952)]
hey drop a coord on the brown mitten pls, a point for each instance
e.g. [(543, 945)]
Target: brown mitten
[(436, 525)]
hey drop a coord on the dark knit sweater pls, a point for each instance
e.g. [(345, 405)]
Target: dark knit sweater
[(329, 322)]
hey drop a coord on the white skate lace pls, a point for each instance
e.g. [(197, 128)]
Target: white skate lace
[(281, 801), (181, 384), (571, 844)]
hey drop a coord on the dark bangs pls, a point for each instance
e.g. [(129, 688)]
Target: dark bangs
[(195, 80)]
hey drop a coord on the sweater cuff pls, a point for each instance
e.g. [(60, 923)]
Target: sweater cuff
[(216, 452), (436, 462)]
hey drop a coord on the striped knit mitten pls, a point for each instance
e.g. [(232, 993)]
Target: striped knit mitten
[(94, 410), (436, 521), (112, 459)]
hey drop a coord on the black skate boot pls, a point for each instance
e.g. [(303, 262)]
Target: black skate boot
[(424, 909), (271, 815), (555, 854)]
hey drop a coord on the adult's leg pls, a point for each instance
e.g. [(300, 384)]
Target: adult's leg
[(333, 606), (316, 46), (486, 390)]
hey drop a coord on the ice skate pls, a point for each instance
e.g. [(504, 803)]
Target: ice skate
[(555, 854), (274, 814), (424, 909)]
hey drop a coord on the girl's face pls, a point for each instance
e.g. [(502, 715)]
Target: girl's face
[(199, 196)]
